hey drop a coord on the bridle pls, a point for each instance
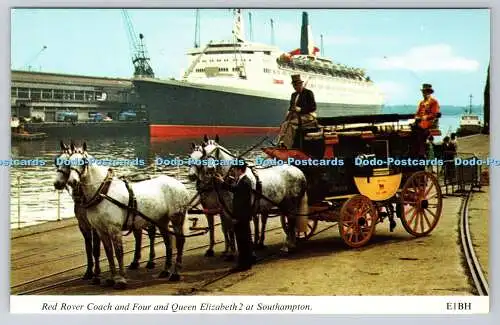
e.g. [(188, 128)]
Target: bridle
[(85, 160)]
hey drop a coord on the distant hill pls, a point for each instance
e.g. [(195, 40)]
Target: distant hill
[(445, 109)]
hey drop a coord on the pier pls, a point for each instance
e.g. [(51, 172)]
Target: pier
[(60, 103)]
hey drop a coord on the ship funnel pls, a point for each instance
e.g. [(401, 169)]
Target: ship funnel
[(306, 40)]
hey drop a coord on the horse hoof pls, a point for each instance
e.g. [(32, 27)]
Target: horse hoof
[(164, 274), (151, 265), (209, 253), (260, 246), (109, 283), (120, 285), (134, 265), (95, 281), (88, 275), (229, 258), (287, 251), (174, 277)]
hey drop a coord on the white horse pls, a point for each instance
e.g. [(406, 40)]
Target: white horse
[(91, 238), (282, 186), (211, 204), (160, 201)]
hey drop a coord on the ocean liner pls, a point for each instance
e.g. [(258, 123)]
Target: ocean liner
[(242, 87)]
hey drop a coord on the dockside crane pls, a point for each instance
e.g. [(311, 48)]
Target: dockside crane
[(28, 65), (140, 58)]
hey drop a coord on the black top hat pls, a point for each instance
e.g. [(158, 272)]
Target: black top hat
[(296, 79), (427, 88)]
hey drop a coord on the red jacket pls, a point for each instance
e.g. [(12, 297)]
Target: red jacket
[(427, 112)]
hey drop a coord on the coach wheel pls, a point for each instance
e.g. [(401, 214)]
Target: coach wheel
[(358, 218), (311, 228), (421, 204)]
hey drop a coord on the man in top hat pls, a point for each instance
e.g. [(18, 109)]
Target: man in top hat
[(300, 112), (426, 118), (428, 109), (241, 215)]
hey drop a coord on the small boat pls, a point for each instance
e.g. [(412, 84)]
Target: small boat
[(470, 123), (28, 136), (18, 132)]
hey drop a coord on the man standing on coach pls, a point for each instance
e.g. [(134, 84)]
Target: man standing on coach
[(426, 117), (300, 112), (241, 215)]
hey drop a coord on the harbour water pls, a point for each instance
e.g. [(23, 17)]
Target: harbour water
[(34, 200)]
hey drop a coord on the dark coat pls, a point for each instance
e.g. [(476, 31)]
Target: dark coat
[(242, 199), (306, 101)]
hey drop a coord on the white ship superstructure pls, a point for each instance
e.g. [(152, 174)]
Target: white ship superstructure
[(266, 70), (236, 87)]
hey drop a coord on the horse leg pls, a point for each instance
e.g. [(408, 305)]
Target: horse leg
[(264, 217), (168, 252), (87, 236), (227, 230), (210, 251), (108, 248), (292, 232), (223, 226), (290, 209), (137, 253), (96, 251), (256, 230), (151, 234), (232, 241), (120, 281), (179, 243)]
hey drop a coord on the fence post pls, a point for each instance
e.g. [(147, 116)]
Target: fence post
[(58, 205), (18, 201)]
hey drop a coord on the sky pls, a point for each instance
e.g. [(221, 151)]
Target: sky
[(399, 48)]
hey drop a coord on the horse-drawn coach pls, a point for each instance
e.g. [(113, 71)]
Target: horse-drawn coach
[(377, 175)]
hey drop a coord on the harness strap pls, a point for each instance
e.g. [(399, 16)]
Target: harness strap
[(142, 215), (77, 195), (132, 207), (103, 189)]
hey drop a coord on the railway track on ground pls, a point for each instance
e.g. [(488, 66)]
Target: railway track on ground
[(37, 285), (203, 286), (476, 273)]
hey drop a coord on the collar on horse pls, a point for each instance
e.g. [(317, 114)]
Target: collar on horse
[(101, 194), (98, 196)]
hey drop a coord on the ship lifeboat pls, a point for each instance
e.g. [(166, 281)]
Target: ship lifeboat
[(285, 57)]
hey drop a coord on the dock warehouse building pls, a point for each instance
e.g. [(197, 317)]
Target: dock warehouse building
[(41, 95)]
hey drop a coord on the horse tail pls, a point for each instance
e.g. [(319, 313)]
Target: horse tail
[(303, 210)]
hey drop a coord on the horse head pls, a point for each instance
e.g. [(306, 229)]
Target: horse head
[(216, 158), (62, 167), (78, 164), (195, 162)]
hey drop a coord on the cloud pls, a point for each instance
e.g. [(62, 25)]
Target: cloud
[(438, 57), (393, 91)]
